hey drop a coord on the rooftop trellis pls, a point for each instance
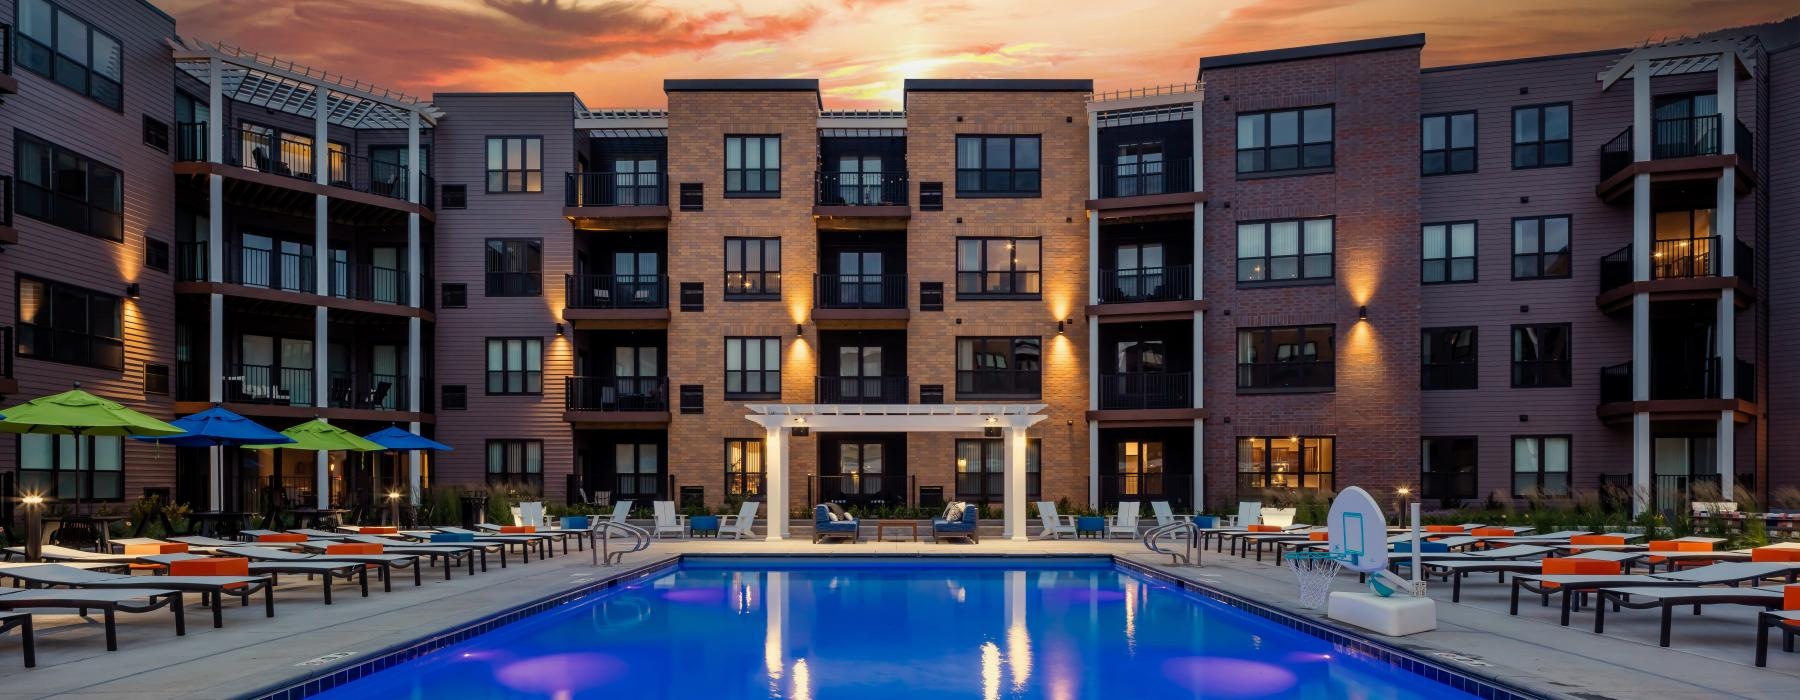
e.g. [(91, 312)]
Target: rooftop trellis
[(1681, 57), (280, 84)]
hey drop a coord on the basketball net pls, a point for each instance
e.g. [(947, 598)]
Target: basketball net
[(1314, 572)]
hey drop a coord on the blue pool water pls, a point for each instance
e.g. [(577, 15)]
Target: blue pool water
[(869, 629)]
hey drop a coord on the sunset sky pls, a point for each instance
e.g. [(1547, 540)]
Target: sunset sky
[(615, 53)]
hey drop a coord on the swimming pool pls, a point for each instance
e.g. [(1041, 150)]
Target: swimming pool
[(873, 629)]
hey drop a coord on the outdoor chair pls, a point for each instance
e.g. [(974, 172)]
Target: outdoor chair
[(212, 589), (830, 521), (384, 563), (1786, 621), (525, 544), (1055, 526), (1126, 521), (21, 621), (739, 526), (51, 552), (1249, 513), (667, 520), (108, 601), (1166, 515), (1667, 598), (400, 546), (326, 570), (1455, 570), (964, 526), (1716, 574), (451, 556)]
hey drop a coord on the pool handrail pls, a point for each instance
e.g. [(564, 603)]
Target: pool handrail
[(600, 536), (1170, 531)]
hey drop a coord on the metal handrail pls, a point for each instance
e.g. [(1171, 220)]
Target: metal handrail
[(601, 542), (1183, 558)]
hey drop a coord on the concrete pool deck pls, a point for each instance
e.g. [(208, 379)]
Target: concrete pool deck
[(1710, 656)]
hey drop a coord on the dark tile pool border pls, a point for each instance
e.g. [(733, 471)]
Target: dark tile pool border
[(1473, 684), (402, 652)]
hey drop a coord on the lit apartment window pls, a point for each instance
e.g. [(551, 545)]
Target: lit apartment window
[(752, 268), (60, 46), (1285, 463), (1000, 166), (515, 267), (999, 368), (1447, 143), (1285, 140), (1285, 251), (1541, 136), (1541, 247), (743, 467), (752, 368), (1448, 253), (1447, 468), (515, 365), (49, 465), (516, 463), (1286, 358), (1540, 355), (753, 166), (65, 188), (65, 323), (1540, 465), (515, 164), (999, 267), (1448, 360)]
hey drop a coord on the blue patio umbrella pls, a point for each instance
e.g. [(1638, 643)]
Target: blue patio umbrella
[(217, 427), (395, 438)]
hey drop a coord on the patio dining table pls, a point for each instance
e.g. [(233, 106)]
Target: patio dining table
[(101, 524)]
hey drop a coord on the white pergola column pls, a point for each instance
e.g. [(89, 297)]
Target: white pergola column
[(1093, 498), (1641, 250), (1199, 464), (775, 470), (1725, 226), (1015, 484), (215, 272), (414, 469), (415, 270)]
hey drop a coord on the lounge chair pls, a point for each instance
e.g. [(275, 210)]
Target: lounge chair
[(1166, 515), (1126, 521), (1788, 621), (1667, 598), (831, 522), (1453, 570), (454, 550), (51, 552), (525, 544), (316, 534), (1717, 574), (739, 526), (22, 621), (327, 570), (196, 543), (1241, 545), (548, 536), (452, 558), (964, 526), (212, 589), (384, 563), (1055, 526), (668, 521), (109, 601)]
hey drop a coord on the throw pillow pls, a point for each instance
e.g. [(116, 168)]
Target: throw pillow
[(955, 514)]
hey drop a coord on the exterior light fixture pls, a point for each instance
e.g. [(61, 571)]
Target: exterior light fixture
[(1362, 312), (992, 432), (32, 500), (559, 330), (1059, 327), (799, 330), (1403, 490), (133, 290)]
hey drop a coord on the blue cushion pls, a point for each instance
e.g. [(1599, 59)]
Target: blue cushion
[(1090, 523), (704, 522), (451, 537), (1423, 547), (575, 522)]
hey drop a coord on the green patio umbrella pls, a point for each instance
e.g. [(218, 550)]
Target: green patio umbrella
[(76, 412), (318, 436)]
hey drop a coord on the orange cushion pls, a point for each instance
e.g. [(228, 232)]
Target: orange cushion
[(1597, 539), (157, 548), (1790, 598), (1491, 532), (379, 530), (281, 537), (1579, 566), (212, 566), (353, 548), (1252, 528), (1444, 528), (1776, 554), (1318, 536), (514, 529), (1674, 546)]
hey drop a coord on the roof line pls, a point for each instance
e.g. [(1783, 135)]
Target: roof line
[(1525, 59), (1341, 48)]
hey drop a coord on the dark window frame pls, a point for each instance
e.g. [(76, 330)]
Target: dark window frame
[(1300, 143), (1512, 464), (460, 404), (458, 200), (739, 482), (459, 300), (524, 373), (156, 387), (88, 337), (740, 279), (969, 376), (84, 470), (764, 171), (1014, 174), (1448, 445), (765, 376), (524, 185), (1428, 340), (1566, 362), (1541, 145), (1568, 251), (1300, 257), (88, 73), (1327, 477), (156, 254), (527, 287), (23, 201), (1246, 371), (1447, 154), (1034, 479), (1450, 258), (1030, 278), (156, 133), (509, 473)]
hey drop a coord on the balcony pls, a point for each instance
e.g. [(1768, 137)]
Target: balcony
[(263, 151), (8, 84), (616, 399), (610, 199), (860, 191), (1146, 178), (1679, 379), (859, 291), (269, 385), (616, 291), (8, 234), (1673, 260), (1147, 284), (369, 391), (1673, 139), (1136, 391), (860, 390), (366, 282), (999, 384)]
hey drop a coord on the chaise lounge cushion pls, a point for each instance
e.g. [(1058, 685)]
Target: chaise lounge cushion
[(281, 537)]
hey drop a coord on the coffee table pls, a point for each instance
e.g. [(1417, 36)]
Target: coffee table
[(882, 526)]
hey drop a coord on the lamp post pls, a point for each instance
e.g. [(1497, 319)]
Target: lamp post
[(394, 506), (34, 526)]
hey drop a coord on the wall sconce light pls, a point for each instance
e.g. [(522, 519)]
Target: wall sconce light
[(133, 290), (559, 330), (1362, 312), (990, 432), (1059, 327), (799, 330)]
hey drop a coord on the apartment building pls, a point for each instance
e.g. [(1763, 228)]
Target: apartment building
[(1310, 268)]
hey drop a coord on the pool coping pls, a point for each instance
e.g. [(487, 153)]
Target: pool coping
[(1352, 642)]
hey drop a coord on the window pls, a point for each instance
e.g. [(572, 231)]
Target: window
[(693, 196), (1447, 468), (1540, 465), (1541, 247), (63, 48), (1285, 251), (743, 467), (1140, 470), (1449, 253), (456, 397), (455, 295), (693, 399), (1284, 141), (156, 254), (67, 189), (1290, 462), (1448, 144), (156, 133), (52, 466), (515, 164), (515, 463), (981, 469), (999, 267), (64, 323), (515, 267), (999, 368), (752, 368), (999, 166), (1448, 358), (156, 379), (453, 196), (1286, 358), (1540, 355), (515, 366), (752, 166), (1540, 136), (752, 268)]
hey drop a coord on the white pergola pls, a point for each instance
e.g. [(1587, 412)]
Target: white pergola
[(780, 420)]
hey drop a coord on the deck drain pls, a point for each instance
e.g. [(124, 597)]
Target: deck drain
[(1459, 658), (328, 658)]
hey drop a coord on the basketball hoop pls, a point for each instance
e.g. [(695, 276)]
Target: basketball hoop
[(1315, 571)]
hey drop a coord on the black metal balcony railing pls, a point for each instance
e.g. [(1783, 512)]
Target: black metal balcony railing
[(1615, 383), (616, 394), (514, 284), (265, 151), (639, 487), (860, 488), (1678, 378), (1448, 375), (859, 291), (999, 383), (270, 269), (1177, 489), (873, 189), (1129, 285), (267, 384), (1147, 177), (1448, 485), (191, 142), (1615, 155), (1144, 390), (1744, 381), (374, 391), (1745, 146), (1743, 263), (984, 488), (365, 282), (616, 189), (1677, 137), (616, 291), (191, 263), (860, 390), (1277, 376), (1683, 258)]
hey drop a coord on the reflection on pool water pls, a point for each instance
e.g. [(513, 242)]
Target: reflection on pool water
[(871, 629)]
